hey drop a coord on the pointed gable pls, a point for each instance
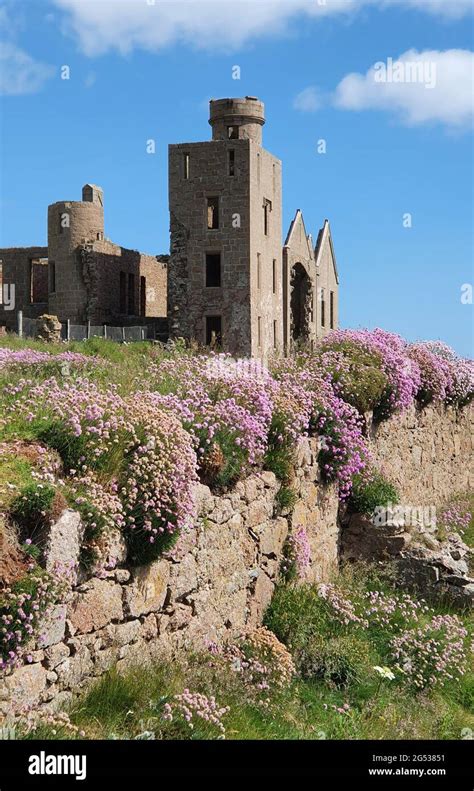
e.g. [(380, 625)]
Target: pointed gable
[(324, 245), (298, 238)]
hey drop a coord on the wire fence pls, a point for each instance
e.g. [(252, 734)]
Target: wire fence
[(28, 328)]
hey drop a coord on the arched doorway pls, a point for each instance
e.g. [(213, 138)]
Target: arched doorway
[(300, 303)]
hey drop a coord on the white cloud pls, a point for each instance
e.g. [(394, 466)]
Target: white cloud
[(420, 87), (102, 25), (307, 101), (19, 72)]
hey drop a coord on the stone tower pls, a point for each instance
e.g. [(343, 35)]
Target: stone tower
[(71, 224), (225, 271)]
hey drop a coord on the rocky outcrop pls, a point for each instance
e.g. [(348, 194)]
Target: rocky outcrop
[(421, 561), (49, 328)]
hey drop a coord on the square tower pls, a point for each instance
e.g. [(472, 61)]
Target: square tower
[(225, 286)]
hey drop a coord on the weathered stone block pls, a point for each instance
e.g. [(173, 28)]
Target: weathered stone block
[(96, 607), (261, 598), (147, 592), (184, 577), (273, 536), (74, 669), (63, 544), (127, 632), (205, 501), (149, 627), (25, 686), (55, 654), (53, 626)]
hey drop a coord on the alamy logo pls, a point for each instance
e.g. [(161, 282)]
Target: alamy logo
[(422, 72), (44, 764), (7, 296), (421, 517)]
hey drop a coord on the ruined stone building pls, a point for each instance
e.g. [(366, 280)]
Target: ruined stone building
[(227, 281), (228, 277), (81, 275)]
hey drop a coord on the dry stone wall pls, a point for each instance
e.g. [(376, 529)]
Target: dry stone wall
[(219, 578), (428, 453), (221, 575)]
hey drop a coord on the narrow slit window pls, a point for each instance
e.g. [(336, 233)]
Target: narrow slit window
[(231, 163), (267, 207), (52, 277), (331, 310), (233, 132), (123, 292), (259, 270), (213, 270), (143, 296), (275, 336), (131, 294), (259, 326), (274, 276), (323, 309), (212, 214)]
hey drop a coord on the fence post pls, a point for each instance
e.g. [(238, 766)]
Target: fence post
[(123, 334), (20, 323), (68, 329), (88, 330), (105, 330), (143, 333)]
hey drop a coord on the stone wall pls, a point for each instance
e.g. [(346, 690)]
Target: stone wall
[(221, 575), (17, 270), (427, 453), (104, 264)]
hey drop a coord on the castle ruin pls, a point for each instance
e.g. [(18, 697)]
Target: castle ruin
[(227, 281)]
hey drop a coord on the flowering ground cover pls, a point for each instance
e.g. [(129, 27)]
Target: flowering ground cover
[(123, 433)]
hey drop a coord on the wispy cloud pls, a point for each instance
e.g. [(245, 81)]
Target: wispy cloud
[(417, 87), (19, 72), (103, 25), (308, 101)]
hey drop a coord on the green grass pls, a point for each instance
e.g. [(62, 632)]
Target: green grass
[(367, 495), (338, 696), (15, 474)]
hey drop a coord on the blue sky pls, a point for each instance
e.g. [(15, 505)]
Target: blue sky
[(140, 72)]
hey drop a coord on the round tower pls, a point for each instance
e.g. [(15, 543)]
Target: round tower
[(237, 119), (71, 224)]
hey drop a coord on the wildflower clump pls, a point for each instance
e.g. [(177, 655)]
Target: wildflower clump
[(455, 517), (198, 713), (22, 605), (460, 389), (297, 555), (262, 664), (389, 351), (433, 653), (130, 464)]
